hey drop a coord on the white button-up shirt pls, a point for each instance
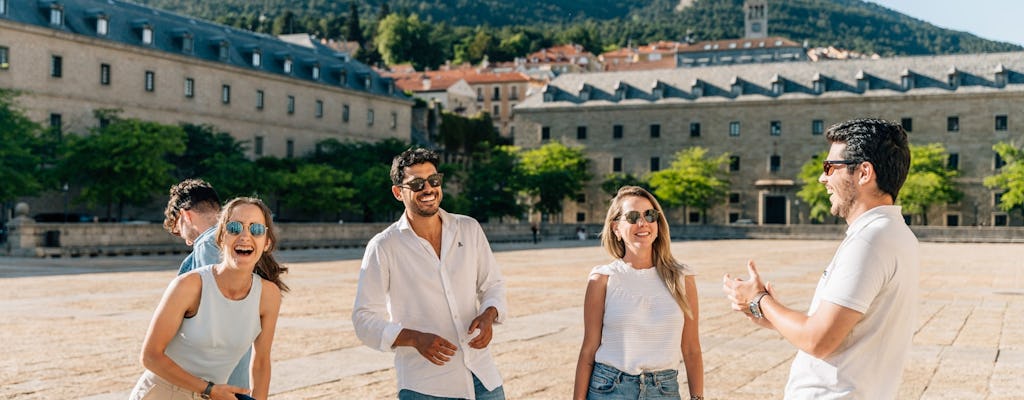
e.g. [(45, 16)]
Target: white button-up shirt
[(403, 284)]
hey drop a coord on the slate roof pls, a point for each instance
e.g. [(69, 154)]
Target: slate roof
[(170, 31)]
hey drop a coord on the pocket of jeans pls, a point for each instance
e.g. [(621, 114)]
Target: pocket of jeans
[(601, 384), (669, 387)]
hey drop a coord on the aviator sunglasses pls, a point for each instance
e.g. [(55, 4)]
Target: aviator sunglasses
[(418, 184), (634, 216), (829, 166), (235, 228)]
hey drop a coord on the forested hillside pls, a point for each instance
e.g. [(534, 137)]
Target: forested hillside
[(468, 30)]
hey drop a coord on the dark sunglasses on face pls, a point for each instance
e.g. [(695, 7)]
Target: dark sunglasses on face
[(235, 228), (418, 184), (829, 166), (633, 216)]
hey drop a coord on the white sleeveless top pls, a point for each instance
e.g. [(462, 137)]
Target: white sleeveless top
[(643, 324), (211, 343)]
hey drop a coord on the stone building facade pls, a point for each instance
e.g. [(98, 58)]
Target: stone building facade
[(68, 58), (771, 117)]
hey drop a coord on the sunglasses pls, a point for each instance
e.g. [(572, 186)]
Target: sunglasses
[(235, 228), (634, 216), (418, 184), (828, 166)]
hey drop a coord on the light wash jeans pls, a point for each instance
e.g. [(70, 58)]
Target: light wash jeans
[(481, 393), (608, 383)]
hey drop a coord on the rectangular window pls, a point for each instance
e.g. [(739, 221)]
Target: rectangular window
[(56, 16), (56, 122), (259, 100), (319, 109), (104, 74), (734, 163), (776, 128), (695, 129), (188, 44), (817, 127), (257, 146), (908, 124), (655, 130), (655, 164), (1000, 220), (222, 51), (734, 128), (394, 120), (774, 163), (581, 132), (1001, 122), (150, 81), (545, 133), (497, 93), (369, 117), (225, 94), (953, 162), (5, 61), (617, 164), (734, 198), (344, 113), (998, 161), (581, 217), (616, 131), (291, 104), (190, 87), (694, 217), (515, 93), (56, 66), (953, 124), (997, 198), (147, 35), (290, 148), (581, 198), (479, 94), (497, 111), (3, 7)]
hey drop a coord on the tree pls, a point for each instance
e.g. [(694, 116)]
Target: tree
[(553, 173), (693, 180), (1010, 179), (370, 166), (21, 145), (614, 181), (218, 158), (491, 184), (355, 32), (317, 189), (123, 163), (405, 39), (813, 193), (929, 181)]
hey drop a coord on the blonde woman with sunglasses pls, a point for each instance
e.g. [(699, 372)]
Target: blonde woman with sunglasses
[(640, 312), (208, 318)]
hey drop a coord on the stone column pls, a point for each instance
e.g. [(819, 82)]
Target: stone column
[(22, 237)]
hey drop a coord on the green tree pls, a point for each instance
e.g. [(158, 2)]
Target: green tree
[(491, 184), (813, 193), (929, 181), (354, 32), (693, 180), (614, 181), (405, 39), (1010, 178), (370, 166), (462, 135), (21, 143), (218, 158), (552, 173), (317, 190), (123, 163)]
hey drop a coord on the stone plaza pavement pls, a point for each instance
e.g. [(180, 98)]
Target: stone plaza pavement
[(72, 328)]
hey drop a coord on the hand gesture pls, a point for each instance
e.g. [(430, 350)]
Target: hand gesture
[(740, 292), (484, 322), (434, 348)]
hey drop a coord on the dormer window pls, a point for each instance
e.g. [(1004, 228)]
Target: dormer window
[(862, 81), (953, 78), (288, 65), (620, 91), (737, 87), (697, 89), (343, 77), (777, 87), (222, 50), (56, 15), (188, 43), (102, 25), (818, 84), (257, 57), (367, 81), (906, 80), (316, 72), (1000, 76)]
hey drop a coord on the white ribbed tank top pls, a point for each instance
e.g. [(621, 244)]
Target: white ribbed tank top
[(643, 324), (210, 344)]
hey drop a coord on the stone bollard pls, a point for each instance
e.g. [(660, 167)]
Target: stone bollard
[(22, 237)]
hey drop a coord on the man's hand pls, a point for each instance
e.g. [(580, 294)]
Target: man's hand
[(432, 347), (740, 292), (484, 322)]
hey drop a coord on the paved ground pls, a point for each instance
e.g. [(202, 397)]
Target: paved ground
[(72, 328)]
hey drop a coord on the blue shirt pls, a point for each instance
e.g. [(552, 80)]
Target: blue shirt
[(204, 252)]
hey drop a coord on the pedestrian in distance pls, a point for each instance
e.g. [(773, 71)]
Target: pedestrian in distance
[(430, 290), (191, 214), (209, 317), (856, 336), (640, 313)]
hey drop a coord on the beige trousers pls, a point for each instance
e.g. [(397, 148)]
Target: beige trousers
[(153, 387)]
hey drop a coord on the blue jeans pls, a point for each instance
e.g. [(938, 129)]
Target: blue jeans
[(481, 393), (608, 383)]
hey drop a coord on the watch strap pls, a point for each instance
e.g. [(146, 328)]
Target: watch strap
[(755, 305), (206, 392)]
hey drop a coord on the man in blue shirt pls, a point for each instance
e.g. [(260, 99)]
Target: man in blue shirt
[(191, 214)]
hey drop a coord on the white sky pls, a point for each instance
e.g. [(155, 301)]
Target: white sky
[(1001, 20)]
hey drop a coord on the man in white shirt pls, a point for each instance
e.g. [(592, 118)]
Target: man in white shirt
[(856, 336), (420, 284)]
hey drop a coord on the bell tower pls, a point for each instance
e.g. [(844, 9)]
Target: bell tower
[(755, 17)]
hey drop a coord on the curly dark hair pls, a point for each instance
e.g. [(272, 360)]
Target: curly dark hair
[(882, 143), (189, 194), (409, 158)]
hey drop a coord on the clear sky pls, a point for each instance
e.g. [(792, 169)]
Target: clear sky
[(1001, 20)]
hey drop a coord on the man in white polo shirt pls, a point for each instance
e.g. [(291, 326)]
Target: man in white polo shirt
[(856, 336)]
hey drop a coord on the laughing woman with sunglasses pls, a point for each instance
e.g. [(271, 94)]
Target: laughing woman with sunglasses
[(640, 312), (208, 318)]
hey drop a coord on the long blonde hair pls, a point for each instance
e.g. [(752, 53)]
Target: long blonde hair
[(669, 269)]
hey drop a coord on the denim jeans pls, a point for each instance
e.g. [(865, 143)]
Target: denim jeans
[(608, 383), (481, 393)]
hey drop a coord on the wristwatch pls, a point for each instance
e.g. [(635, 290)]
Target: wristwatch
[(206, 393), (755, 305)]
